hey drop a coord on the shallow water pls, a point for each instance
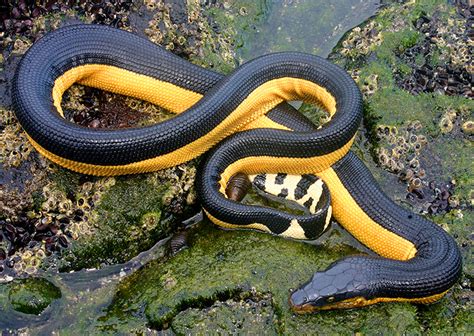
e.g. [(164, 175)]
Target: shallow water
[(304, 25)]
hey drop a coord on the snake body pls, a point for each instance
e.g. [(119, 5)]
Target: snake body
[(243, 117)]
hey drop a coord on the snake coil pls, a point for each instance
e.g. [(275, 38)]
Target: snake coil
[(244, 118)]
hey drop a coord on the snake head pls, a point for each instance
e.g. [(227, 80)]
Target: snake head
[(343, 285)]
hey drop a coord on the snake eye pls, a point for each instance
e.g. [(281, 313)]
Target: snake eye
[(330, 299)]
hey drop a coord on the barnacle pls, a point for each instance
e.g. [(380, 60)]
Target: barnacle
[(86, 187), (50, 204), (453, 201), (181, 40), (445, 125), (468, 127), (20, 46), (421, 173), (398, 152), (414, 163), (383, 158), (400, 140), (417, 146), (406, 175), (243, 11), (414, 184), (150, 220), (415, 125), (65, 206), (413, 138), (451, 114)]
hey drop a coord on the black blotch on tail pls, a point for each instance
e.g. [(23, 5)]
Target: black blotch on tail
[(308, 203), (303, 185), (283, 193), (280, 178)]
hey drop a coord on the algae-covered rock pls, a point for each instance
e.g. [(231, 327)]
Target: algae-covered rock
[(33, 295), (253, 314), (221, 266), (411, 64), (127, 220), (223, 275)]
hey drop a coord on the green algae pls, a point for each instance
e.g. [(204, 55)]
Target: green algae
[(222, 267), (32, 295), (127, 220), (457, 163), (395, 43), (219, 265), (393, 106), (252, 314)]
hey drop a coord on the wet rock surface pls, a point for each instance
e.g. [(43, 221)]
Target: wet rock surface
[(412, 64), (32, 295), (254, 314)]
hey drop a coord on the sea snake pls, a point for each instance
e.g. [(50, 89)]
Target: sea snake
[(243, 122)]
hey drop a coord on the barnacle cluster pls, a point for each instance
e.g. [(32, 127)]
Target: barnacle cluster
[(21, 17), (172, 27), (369, 85), (361, 41), (154, 113), (32, 232), (89, 196), (14, 148), (181, 190), (401, 150), (453, 119), (441, 61), (442, 198), (218, 40), (400, 153), (450, 37)]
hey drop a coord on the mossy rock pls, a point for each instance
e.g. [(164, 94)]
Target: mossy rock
[(33, 295)]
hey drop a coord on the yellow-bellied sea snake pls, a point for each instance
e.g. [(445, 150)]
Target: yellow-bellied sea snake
[(244, 118)]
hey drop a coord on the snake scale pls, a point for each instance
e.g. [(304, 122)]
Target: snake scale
[(244, 123)]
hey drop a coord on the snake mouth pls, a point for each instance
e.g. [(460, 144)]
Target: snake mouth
[(302, 308), (300, 304)]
